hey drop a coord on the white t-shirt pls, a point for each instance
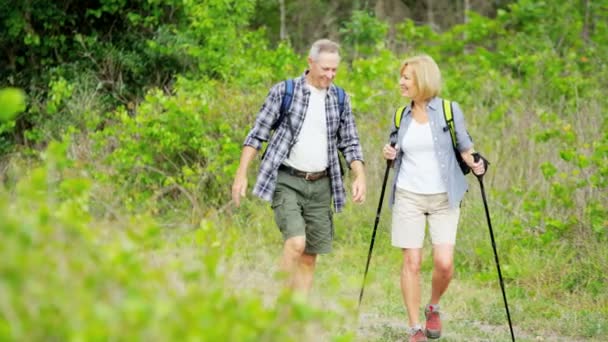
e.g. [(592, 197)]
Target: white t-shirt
[(310, 150), (419, 171)]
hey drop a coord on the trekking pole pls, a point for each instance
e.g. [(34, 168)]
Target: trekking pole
[(371, 245), (476, 157)]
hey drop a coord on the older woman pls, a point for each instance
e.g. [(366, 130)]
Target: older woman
[(428, 187)]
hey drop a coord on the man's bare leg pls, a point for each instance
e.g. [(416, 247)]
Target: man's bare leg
[(303, 276), (298, 266)]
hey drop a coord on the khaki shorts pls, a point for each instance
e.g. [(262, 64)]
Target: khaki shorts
[(303, 208), (411, 212)]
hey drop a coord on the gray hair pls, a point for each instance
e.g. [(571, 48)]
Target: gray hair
[(323, 45)]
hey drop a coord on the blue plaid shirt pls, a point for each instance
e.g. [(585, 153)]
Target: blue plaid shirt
[(341, 132)]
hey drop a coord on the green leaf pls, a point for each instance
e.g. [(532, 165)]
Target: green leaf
[(548, 170), (12, 101)]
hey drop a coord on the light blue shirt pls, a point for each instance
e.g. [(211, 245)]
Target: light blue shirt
[(450, 172)]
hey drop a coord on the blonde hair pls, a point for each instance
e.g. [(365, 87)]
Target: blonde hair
[(426, 75), (323, 45)]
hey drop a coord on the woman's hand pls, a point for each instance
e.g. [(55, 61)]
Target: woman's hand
[(478, 167), (389, 152)]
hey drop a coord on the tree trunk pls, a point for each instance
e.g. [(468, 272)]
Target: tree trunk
[(379, 9), (429, 14), (586, 23), (465, 20), (283, 29)]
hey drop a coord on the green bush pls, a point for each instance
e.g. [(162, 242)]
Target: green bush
[(172, 147), (66, 276)]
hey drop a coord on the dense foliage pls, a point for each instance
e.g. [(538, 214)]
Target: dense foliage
[(118, 160)]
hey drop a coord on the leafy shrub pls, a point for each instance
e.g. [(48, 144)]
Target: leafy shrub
[(363, 34), (172, 146), (66, 276), (12, 102)]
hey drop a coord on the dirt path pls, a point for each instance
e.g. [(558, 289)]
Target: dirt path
[(376, 322), (375, 328)]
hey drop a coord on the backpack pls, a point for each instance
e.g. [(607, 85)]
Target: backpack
[(449, 120), (288, 96)]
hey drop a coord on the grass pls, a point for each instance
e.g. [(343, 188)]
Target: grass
[(540, 308), (471, 307), (555, 279), (555, 291)]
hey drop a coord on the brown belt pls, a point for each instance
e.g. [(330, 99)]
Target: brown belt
[(309, 176)]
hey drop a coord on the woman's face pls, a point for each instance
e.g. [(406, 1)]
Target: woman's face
[(407, 83)]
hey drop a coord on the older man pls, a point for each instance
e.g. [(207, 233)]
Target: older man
[(300, 171)]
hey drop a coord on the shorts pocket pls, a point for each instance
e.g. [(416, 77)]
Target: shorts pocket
[(277, 201), (277, 205)]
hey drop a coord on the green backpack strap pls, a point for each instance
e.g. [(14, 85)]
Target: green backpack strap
[(398, 115), (449, 119), (447, 114)]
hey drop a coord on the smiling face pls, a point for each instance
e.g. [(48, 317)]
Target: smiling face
[(322, 71), (407, 83), (420, 78)]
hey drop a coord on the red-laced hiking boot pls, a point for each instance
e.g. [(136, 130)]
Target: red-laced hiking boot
[(417, 335), (433, 322)]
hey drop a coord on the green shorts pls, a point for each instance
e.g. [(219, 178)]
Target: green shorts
[(303, 208)]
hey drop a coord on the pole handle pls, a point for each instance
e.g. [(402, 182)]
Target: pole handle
[(390, 162), (486, 163)]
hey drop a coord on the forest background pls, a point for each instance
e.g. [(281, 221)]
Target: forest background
[(121, 124)]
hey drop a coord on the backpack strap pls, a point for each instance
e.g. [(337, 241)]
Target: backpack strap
[(285, 104), (449, 119), (398, 116), (288, 96), (341, 97)]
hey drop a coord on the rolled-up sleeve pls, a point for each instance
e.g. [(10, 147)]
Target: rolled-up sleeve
[(462, 135), (267, 115), (348, 137)]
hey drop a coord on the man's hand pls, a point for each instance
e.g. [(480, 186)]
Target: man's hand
[(239, 189), (239, 186), (359, 186), (359, 190)]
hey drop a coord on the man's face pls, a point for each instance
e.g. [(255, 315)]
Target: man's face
[(323, 71)]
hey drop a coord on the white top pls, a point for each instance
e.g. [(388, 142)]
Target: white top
[(310, 150), (419, 172)]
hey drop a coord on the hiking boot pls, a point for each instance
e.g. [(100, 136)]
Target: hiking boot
[(417, 335), (433, 322)]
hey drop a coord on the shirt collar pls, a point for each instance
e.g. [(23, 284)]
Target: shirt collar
[(433, 104)]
